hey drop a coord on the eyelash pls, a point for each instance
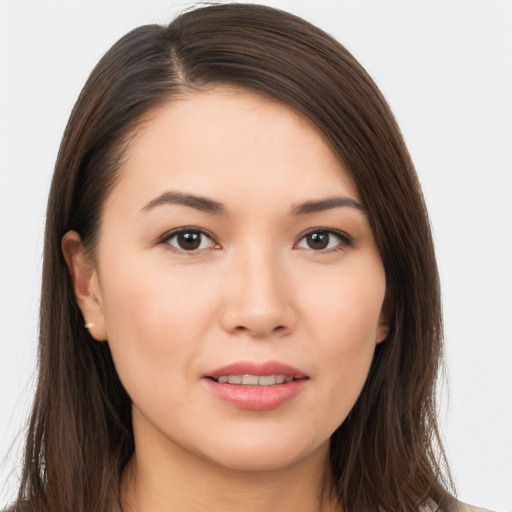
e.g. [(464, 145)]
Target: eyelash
[(344, 240), (166, 239)]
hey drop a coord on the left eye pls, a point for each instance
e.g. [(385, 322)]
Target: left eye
[(190, 240), (322, 240)]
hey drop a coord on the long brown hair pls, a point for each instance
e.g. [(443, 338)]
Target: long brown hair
[(387, 453)]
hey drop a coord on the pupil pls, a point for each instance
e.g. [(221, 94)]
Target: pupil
[(189, 241), (318, 240)]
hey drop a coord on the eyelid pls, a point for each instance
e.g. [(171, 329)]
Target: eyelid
[(164, 239), (345, 239)]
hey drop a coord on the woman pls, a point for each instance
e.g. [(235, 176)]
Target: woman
[(240, 303)]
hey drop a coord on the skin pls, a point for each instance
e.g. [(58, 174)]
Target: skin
[(255, 290)]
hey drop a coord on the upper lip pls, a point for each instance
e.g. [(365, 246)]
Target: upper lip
[(257, 368)]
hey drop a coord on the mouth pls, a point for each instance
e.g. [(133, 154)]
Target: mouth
[(256, 373), (254, 380), (256, 386)]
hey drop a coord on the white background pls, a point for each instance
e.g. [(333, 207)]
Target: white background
[(446, 69)]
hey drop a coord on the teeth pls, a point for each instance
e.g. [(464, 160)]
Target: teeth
[(254, 380), (250, 380), (267, 380)]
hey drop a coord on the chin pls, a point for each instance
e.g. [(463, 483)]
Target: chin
[(272, 453)]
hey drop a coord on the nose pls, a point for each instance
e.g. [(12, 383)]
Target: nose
[(259, 297)]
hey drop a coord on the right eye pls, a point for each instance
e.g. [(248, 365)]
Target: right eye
[(189, 240)]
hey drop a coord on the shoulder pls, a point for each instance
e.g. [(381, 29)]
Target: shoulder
[(462, 507), (457, 506)]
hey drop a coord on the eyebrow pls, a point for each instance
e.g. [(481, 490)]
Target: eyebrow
[(199, 203), (210, 206), (326, 204)]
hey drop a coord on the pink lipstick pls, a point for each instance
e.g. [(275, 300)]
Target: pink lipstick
[(256, 386)]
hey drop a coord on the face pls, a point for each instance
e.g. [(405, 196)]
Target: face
[(237, 282)]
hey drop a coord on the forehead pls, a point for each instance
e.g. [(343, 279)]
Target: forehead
[(231, 144)]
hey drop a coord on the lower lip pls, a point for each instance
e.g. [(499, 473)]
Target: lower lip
[(257, 398)]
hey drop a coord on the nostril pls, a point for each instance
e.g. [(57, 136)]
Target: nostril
[(260, 332)]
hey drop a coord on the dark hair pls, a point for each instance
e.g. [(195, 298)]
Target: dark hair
[(387, 452)]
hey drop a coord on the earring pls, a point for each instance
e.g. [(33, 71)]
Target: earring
[(88, 325)]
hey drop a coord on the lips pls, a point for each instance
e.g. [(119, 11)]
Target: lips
[(266, 368), (256, 386), (254, 380)]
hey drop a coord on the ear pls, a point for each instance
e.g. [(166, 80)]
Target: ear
[(386, 314), (86, 286)]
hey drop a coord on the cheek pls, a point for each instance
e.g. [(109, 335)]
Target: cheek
[(155, 320), (343, 322), (345, 306)]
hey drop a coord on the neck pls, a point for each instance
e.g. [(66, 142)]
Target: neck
[(174, 480)]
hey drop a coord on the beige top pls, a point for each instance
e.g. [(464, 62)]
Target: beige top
[(468, 508), (460, 507)]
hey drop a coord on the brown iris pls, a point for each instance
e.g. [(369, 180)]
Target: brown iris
[(318, 240), (189, 240)]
